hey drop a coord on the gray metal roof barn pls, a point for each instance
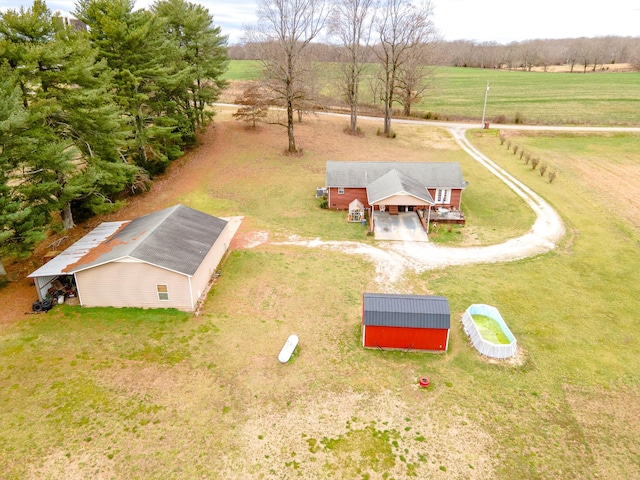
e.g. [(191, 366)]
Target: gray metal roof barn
[(419, 322)]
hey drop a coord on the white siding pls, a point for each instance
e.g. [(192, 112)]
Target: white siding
[(132, 284), (207, 268)]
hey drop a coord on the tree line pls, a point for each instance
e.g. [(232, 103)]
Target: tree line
[(388, 45), (581, 55), (91, 110)]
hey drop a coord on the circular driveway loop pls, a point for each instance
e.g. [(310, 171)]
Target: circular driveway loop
[(393, 259)]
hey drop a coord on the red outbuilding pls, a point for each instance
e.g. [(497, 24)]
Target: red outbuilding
[(407, 322)]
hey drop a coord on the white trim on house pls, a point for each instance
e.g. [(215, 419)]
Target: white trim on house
[(443, 195), (189, 280), (131, 260), (78, 291), (160, 293), (402, 198)]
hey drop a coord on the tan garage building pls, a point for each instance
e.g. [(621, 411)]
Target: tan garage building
[(162, 260)]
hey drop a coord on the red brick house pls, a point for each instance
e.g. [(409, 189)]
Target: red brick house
[(394, 186)]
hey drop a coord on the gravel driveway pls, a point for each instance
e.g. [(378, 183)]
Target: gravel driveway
[(393, 259)]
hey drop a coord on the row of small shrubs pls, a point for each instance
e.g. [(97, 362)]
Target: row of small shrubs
[(529, 158)]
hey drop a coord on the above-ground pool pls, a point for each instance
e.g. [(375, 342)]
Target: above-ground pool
[(488, 332)]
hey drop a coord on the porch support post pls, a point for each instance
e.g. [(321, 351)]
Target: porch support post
[(371, 219)]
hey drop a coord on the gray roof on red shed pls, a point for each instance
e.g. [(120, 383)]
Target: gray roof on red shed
[(413, 311), (176, 238), (361, 174)]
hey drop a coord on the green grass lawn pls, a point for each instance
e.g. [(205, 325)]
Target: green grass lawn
[(277, 193), (535, 97), (154, 394), (457, 93), (572, 310), (243, 70)]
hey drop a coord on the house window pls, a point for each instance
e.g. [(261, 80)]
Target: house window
[(340, 190), (443, 196), (163, 292)]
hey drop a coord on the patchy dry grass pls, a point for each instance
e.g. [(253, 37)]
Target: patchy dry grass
[(108, 393)]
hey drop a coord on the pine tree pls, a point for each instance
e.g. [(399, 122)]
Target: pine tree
[(20, 227), (201, 57), (75, 129), (133, 45)]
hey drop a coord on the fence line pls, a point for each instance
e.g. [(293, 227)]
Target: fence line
[(486, 348)]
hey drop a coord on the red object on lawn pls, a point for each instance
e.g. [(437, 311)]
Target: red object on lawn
[(424, 382)]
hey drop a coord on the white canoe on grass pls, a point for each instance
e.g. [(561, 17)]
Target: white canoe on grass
[(288, 349)]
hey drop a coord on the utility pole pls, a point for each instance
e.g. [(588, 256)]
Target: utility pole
[(484, 110)]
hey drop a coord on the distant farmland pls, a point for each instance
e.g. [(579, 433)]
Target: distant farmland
[(603, 98)]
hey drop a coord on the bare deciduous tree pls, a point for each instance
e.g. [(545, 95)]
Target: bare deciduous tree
[(543, 168), (351, 23), (466, 53), (414, 78), (281, 37), (254, 106), (401, 26)]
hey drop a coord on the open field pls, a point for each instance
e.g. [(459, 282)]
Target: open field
[(603, 98), (106, 393), (534, 97)]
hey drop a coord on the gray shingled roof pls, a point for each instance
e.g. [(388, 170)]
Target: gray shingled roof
[(413, 311), (361, 174), (393, 183), (176, 238)]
